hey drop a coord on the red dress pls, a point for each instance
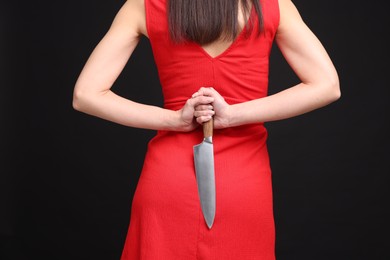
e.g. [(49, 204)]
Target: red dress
[(166, 218)]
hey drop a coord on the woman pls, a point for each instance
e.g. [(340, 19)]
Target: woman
[(212, 59)]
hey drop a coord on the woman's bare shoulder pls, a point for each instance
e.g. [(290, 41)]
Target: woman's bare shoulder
[(289, 15), (131, 16)]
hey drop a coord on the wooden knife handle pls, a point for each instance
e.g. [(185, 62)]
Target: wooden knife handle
[(208, 128)]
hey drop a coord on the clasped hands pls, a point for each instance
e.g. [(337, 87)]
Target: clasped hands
[(201, 107)]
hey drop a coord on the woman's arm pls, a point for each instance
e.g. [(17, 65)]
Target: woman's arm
[(307, 57), (92, 94)]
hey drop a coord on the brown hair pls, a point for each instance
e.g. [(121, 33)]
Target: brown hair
[(204, 21)]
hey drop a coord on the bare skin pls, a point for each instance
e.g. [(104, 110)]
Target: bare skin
[(92, 94), (216, 48), (301, 48)]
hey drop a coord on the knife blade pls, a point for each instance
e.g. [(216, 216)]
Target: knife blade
[(204, 168)]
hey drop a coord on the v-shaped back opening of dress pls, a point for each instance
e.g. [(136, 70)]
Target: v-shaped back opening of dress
[(228, 45), (166, 216)]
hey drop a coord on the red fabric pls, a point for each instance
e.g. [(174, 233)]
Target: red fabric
[(166, 219)]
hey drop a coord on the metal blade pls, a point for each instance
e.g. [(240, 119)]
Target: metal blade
[(204, 167)]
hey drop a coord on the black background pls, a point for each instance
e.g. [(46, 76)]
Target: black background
[(67, 178)]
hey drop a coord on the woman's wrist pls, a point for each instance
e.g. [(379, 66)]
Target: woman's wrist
[(234, 116), (230, 117), (174, 121)]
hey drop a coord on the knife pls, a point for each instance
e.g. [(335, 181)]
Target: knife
[(204, 168)]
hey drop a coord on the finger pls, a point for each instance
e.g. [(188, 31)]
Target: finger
[(204, 107), (206, 91), (204, 113), (200, 100), (196, 94), (203, 119)]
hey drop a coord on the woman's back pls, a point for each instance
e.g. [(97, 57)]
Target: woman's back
[(166, 216), (167, 221), (239, 69)]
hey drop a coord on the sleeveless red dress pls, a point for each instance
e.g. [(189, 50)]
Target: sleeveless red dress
[(166, 218)]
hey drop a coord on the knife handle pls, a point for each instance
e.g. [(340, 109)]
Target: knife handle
[(208, 128)]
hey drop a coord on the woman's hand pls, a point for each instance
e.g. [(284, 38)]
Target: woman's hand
[(187, 113), (218, 108)]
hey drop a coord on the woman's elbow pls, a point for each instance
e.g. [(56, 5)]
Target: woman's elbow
[(78, 100), (330, 86), (334, 89)]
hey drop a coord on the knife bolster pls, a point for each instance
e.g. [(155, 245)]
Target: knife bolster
[(208, 139)]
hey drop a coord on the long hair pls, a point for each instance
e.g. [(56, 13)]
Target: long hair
[(204, 21)]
